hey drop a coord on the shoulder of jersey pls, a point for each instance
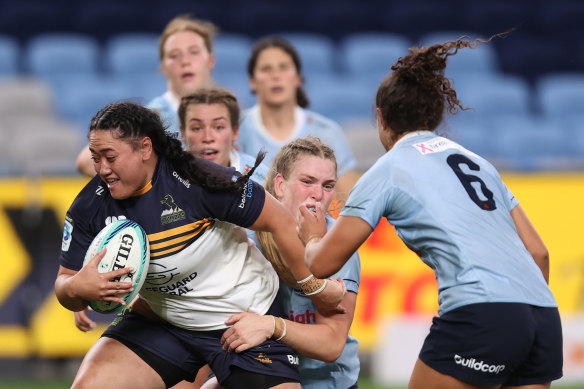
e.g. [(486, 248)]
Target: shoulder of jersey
[(318, 120), (127, 246)]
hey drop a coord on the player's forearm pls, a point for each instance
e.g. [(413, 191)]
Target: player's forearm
[(317, 341), (65, 292)]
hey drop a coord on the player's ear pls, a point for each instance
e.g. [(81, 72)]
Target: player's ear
[(279, 185), (146, 148)]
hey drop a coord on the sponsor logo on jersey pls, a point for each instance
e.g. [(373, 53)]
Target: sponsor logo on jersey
[(173, 213), (293, 359), (67, 233), (472, 363), (112, 219), (99, 190), (263, 358), (247, 192), (181, 180), (304, 318)]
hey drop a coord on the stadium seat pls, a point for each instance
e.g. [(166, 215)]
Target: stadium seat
[(494, 95), (317, 52), (231, 52), (21, 97), (9, 56), (43, 146), (132, 53), (372, 53), (238, 84), (560, 94), (527, 143), (481, 60), (341, 99), (54, 54), (81, 97)]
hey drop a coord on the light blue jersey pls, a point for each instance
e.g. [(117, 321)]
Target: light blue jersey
[(315, 374), (243, 162), (167, 107), (451, 207), (253, 136)]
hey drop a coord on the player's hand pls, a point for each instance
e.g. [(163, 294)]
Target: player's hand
[(82, 321), (91, 285), (328, 301), (311, 224), (247, 330)]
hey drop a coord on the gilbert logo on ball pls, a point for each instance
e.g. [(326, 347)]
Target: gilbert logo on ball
[(127, 246)]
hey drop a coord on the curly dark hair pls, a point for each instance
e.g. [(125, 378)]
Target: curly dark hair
[(131, 122), (416, 93)]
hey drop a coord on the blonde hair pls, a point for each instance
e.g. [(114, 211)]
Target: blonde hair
[(284, 163), (200, 27)]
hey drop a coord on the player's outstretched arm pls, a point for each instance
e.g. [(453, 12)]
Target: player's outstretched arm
[(275, 218), (327, 252), (324, 340)]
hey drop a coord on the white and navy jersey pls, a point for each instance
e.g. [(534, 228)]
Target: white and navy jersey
[(451, 207), (166, 106), (253, 136), (203, 268)]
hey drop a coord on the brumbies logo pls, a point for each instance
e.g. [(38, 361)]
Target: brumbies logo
[(173, 213)]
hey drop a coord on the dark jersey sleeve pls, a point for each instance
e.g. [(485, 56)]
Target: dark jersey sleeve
[(78, 231), (241, 208)]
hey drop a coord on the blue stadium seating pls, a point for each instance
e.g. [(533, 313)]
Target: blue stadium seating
[(495, 94), (132, 53), (317, 52), (560, 93), (231, 52), (482, 60), (9, 56), (49, 55), (372, 53)]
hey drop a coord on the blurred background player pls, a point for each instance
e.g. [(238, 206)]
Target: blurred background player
[(280, 115), (187, 60), (498, 323)]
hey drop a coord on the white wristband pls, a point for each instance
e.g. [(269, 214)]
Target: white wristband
[(318, 290)]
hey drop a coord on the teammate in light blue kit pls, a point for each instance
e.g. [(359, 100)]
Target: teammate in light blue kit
[(280, 116), (304, 172), (209, 124), (186, 59), (499, 324)]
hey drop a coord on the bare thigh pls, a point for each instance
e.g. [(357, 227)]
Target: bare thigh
[(424, 377), (110, 364)]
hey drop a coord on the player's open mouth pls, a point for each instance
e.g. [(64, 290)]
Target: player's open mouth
[(209, 154), (111, 182), (187, 76), (277, 89)]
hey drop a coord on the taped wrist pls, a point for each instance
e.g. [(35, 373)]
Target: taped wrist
[(312, 285), (279, 328)]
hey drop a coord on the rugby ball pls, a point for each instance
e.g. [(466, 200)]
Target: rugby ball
[(127, 246)]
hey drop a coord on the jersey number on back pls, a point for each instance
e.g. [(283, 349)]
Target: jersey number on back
[(454, 161)]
